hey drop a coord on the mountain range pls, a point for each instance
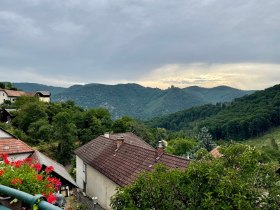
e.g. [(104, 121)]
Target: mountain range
[(135, 100), (246, 117)]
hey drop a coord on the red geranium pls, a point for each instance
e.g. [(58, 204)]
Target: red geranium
[(49, 169), (24, 174)]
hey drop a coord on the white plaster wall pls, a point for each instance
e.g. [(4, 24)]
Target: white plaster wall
[(15, 157), (100, 186), (3, 96), (80, 175), (3, 134), (45, 99)]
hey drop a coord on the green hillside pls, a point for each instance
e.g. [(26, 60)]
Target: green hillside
[(265, 140), (141, 102), (135, 100), (246, 117), (30, 87)]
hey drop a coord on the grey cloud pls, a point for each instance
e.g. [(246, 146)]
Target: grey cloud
[(100, 40)]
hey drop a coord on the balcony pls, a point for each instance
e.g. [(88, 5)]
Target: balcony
[(33, 202)]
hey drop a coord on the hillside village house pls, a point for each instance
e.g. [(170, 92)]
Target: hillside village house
[(18, 150), (116, 160), (12, 95)]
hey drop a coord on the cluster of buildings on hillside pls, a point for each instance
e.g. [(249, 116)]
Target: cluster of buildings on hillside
[(104, 163), (109, 161), (12, 95)]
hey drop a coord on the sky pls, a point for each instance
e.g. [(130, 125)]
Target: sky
[(155, 43)]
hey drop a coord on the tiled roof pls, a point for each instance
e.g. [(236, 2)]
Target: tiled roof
[(215, 152), (16, 93), (58, 168), (124, 165), (13, 146), (44, 93), (131, 138)]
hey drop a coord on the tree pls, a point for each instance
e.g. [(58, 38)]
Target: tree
[(181, 146), (2, 85), (123, 124), (236, 181), (29, 113), (65, 132), (205, 139)]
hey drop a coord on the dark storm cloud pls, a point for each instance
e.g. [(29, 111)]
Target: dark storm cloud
[(106, 40)]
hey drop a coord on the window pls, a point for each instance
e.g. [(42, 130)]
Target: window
[(84, 167)]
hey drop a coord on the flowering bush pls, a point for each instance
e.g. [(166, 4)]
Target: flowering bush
[(27, 176)]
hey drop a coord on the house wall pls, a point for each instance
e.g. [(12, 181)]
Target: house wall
[(97, 185), (80, 175), (3, 96), (15, 157), (45, 99), (100, 186), (4, 134)]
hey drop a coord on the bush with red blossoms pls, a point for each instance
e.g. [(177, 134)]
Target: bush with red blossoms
[(27, 176)]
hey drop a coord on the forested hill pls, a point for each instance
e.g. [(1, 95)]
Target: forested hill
[(29, 87), (138, 101), (246, 117)]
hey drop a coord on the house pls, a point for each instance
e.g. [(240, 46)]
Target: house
[(44, 96), (5, 115), (15, 148), (12, 95), (18, 150), (114, 160), (216, 153)]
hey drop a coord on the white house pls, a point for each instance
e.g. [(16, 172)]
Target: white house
[(11, 95), (116, 160), (44, 96)]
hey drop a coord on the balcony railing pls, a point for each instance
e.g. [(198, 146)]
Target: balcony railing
[(27, 198)]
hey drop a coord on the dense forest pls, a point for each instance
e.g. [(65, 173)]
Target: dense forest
[(135, 100), (58, 128), (245, 117)]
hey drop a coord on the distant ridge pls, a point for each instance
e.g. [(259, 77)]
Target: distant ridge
[(30, 87), (246, 117), (135, 100)]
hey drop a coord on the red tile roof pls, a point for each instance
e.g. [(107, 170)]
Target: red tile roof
[(16, 93), (131, 138), (13, 146), (215, 152), (124, 165)]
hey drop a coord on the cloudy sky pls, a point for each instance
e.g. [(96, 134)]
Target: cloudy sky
[(155, 43)]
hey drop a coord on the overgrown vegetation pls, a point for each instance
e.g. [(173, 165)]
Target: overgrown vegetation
[(64, 126), (236, 181)]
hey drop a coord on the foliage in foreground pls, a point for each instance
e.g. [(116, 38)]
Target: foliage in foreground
[(27, 176), (236, 181)]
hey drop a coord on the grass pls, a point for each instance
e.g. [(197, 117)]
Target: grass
[(265, 139)]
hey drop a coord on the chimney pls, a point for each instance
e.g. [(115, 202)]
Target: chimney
[(107, 135), (120, 140), (159, 150)]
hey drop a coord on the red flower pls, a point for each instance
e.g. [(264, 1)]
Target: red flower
[(28, 160), (37, 167), (5, 158), (16, 181), (51, 198), (1, 172), (17, 164), (49, 169), (39, 177)]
